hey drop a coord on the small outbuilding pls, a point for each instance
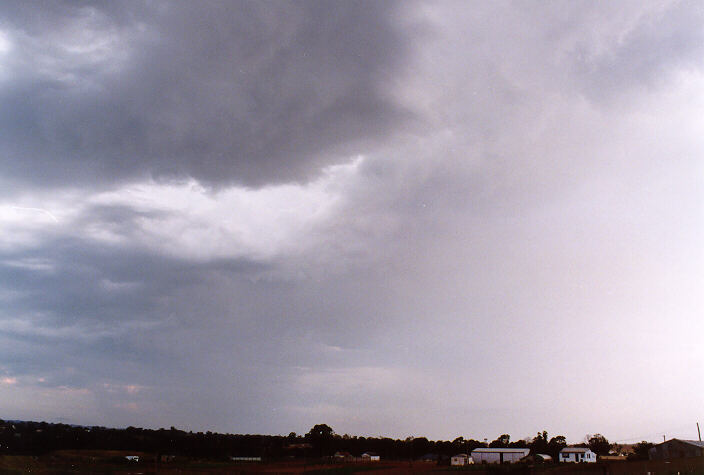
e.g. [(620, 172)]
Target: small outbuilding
[(499, 455), (461, 459), (370, 457), (676, 448), (577, 455)]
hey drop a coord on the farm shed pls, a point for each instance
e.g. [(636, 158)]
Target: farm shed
[(496, 455), (577, 454), (676, 448), (460, 459)]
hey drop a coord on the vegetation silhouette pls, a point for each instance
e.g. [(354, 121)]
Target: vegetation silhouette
[(38, 438)]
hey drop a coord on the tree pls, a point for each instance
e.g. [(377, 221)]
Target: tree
[(420, 446), (640, 450), (599, 444), (321, 437), (556, 444), (501, 441), (540, 444), (320, 431), (474, 444)]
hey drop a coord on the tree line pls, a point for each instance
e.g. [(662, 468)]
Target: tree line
[(37, 438)]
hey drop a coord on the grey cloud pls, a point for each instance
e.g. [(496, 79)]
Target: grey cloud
[(664, 39), (530, 116), (75, 332), (523, 228), (86, 282), (242, 92)]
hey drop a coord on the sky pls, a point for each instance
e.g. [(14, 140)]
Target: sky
[(411, 218)]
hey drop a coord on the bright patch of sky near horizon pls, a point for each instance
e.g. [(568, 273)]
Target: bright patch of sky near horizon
[(430, 219)]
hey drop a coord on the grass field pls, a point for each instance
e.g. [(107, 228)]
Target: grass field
[(114, 462)]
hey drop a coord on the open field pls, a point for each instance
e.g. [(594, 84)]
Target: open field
[(113, 462)]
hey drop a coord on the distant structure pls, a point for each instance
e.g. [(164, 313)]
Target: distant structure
[(613, 458), (577, 454), (132, 458), (676, 448), (343, 457), (537, 458), (496, 455), (430, 457), (461, 459), (245, 459), (370, 457)]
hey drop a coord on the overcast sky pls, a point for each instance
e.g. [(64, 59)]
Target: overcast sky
[(425, 218)]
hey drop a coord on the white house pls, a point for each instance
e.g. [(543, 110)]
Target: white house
[(496, 455), (577, 454), (461, 459), (370, 457)]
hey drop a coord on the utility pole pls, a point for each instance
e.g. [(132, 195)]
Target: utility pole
[(699, 432), (663, 437)]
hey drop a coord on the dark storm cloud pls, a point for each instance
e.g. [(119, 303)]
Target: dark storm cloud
[(79, 282), (80, 315), (247, 92), (72, 309)]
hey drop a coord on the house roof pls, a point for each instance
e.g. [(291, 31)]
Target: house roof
[(575, 450), (697, 443), (504, 450), (461, 455)]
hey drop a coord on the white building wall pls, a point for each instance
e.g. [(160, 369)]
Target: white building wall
[(589, 457), (486, 457), (513, 457), (495, 457)]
